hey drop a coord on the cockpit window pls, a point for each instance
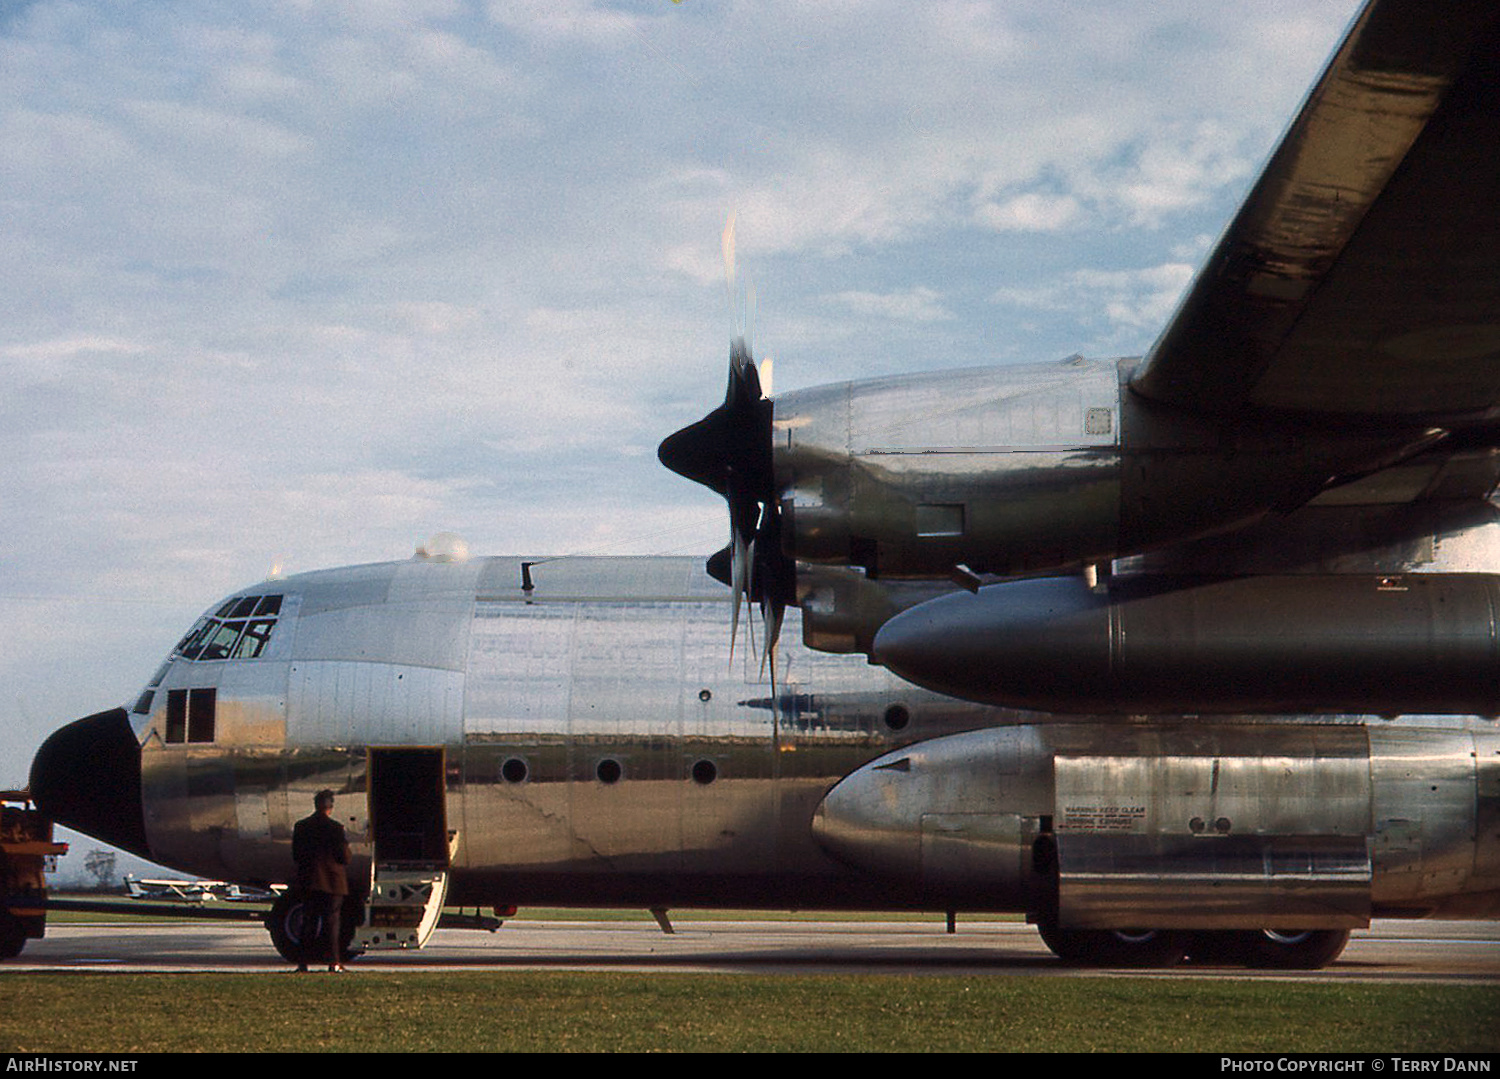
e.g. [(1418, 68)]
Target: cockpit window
[(143, 702), (253, 641), (221, 640), (192, 644), (232, 632), (244, 608)]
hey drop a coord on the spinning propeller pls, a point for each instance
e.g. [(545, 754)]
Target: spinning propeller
[(729, 450)]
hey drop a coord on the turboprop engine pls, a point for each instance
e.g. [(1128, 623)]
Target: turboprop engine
[(1184, 825), (1006, 470)]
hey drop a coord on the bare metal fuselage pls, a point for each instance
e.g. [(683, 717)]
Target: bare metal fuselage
[(596, 748), (607, 660)]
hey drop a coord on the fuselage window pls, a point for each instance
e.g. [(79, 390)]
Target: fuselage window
[(190, 715), (609, 770), (201, 706), (705, 772), (176, 716), (514, 770)]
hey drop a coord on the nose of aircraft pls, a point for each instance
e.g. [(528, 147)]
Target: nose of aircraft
[(87, 776)]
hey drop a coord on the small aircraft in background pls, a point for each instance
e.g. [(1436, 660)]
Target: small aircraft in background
[(1190, 655), (171, 890)]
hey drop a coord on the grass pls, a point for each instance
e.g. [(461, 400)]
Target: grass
[(529, 1011)]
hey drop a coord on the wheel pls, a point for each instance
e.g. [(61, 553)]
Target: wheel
[(290, 927), (12, 935), (1270, 949), (1150, 948), (285, 924)]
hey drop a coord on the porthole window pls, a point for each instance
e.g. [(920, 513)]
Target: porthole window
[(897, 717), (609, 770), (514, 770), (705, 772)]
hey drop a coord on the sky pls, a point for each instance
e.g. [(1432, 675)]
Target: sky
[(298, 283)]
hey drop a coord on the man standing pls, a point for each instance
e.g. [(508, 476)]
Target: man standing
[(322, 854)]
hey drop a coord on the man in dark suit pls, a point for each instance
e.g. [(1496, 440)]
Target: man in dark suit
[(321, 852)]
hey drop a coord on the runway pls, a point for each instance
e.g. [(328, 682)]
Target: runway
[(1389, 951)]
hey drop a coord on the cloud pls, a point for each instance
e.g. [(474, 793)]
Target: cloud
[(1031, 212), (911, 305), (1139, 299), (1127, 300), (71, 347)]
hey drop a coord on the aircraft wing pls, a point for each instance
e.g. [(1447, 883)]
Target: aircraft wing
[(1362, 275)]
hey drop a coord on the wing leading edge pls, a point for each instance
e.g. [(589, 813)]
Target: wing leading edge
[(1362, 275)]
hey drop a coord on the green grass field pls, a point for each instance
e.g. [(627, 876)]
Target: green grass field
[(516, 1011), (525, 1011)]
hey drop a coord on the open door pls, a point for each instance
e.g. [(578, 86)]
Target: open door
[(409, 827)]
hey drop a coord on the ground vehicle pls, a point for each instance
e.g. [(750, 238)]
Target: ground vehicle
[(25, 847)]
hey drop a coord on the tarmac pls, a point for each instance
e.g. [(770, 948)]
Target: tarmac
[(1389, 951)]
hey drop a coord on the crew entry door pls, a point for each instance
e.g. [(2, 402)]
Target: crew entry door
[(413, 848)]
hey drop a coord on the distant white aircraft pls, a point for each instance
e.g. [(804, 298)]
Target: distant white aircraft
[(194, 891)]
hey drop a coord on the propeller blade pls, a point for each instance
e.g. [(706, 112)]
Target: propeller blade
[(739, 584), (726, 244), (729, 451), (749, 330)]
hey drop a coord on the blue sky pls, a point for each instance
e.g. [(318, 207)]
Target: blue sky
[(298, 283)]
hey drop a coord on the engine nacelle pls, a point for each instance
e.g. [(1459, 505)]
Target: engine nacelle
[(1017, 467), (1025, 469), (1184, 826), (843, 609)]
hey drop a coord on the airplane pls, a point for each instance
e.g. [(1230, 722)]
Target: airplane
[(1193, 655), (170, 890)]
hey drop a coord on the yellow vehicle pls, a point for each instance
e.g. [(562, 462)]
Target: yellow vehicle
[(25, 844)]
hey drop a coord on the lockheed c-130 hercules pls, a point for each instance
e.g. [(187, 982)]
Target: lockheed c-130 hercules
[(1209, 641)]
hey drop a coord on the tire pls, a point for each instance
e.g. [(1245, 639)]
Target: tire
[(12, 935), (1289, 949), (285, 924), (290, 932), (1138, 948)]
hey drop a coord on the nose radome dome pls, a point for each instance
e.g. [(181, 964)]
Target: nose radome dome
[(87, 776)]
